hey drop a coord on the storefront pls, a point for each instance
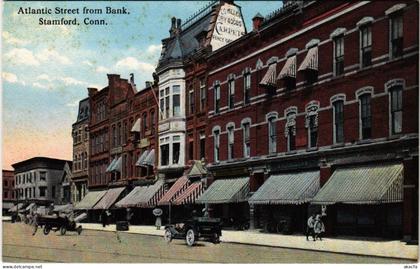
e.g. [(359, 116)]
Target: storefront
[(281, 203), (364, 200)]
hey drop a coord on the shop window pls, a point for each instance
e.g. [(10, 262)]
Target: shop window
[(366, 45)]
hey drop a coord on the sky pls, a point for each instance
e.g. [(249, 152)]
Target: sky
[(46, 69)]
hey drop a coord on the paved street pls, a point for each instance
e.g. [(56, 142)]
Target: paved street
[(99, 246)]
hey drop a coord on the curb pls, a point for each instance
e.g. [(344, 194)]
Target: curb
[(271, 246)]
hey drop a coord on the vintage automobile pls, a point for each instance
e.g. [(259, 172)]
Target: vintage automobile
[(59, 222), (192, 230)]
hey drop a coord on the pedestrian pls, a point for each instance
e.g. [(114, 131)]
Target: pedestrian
[(319, 228), (158, 222), (310, 226), (103, 218)]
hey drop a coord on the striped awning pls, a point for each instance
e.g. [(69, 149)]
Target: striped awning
[(111, 165), (190, 195), (373, 184), (296, 188), (90, 200), (150, 158), (142, 158), (269, 79), (117, 165), (143, 196), (109, 198), (136, 126), (311, 60), (175, 191), (232, 190), (289, 68)]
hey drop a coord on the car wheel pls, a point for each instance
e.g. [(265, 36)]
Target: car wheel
[(190, 237), (46, 230), (63, 230), (167, 236)]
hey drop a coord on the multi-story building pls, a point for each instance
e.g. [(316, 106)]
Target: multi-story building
[(40, 179), (182, 83), (8, 190), (80, 169), (317, 109)]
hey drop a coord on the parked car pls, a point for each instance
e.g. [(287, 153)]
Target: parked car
[(194, 229)]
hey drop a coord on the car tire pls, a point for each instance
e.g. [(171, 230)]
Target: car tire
[(63, 230), (46, 230), (190, 237), (167, 236)]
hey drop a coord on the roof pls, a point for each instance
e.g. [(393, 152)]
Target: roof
[(90, 200), (293, 188), (198, 169), (39, 162), (371, 184), (231, 190), (109, 198), (84, 110)]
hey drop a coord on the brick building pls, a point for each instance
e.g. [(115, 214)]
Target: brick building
[(8, 190), (80, 169), (320, 101)]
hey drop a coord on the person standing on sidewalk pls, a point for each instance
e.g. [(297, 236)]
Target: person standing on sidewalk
[(319, 227), (310, 227)]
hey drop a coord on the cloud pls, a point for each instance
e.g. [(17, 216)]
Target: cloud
[(132, 63), (73, 104), (52, 55), (72, 81), (9, 77), (9, 39), (152, 49), (44, 77), (21, 57), (41, 86), (102, 69), (87, 63)]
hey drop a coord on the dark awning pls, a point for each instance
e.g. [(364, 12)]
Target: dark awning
[(373, 184), (295, 188), (90, 200), (233, 190), (143, 196), (109, 198)]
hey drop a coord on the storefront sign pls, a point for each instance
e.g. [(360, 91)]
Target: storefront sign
[(229, 26)]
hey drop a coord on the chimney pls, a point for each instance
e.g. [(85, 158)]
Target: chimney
[(92, 91), (178, 24), (173, 26), (257, 21), (132, 79)]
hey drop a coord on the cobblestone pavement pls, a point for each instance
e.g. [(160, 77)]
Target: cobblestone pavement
[(102, 247)]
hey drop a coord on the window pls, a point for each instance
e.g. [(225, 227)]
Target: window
[(339, 55), (33, 191), (119, 135), (162, 103), (396, 35), (5, 183), (365, 116), (191, 149), (216, 135), (176, 100), (202, 94), (290, 128), (191, 100), (125, 134), (366, 45), (396, 109), (247, 140), (175, 152), (231, 90), (217, 98), (5, 195), (338, 117), (313, 131), (53, 192), (42, 176), (272, 135), (164, 149), (247, 87), (167, 103), (231, 140), (42, 191), (86, 160), (291, 139), (114, 136), (144, 122), (202, 145)]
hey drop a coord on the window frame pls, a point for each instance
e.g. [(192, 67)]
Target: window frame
[(217, 98), (363, 118), (397, 16), (365, 50), (338, 123), (338, 58), (231, 93), (399, 109), (247, 86)]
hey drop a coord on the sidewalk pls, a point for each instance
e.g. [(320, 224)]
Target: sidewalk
[(391, 249)]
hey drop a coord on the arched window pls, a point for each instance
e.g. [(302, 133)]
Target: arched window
[(216, 146), (290, 127), (272, 131), (246, 129)]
